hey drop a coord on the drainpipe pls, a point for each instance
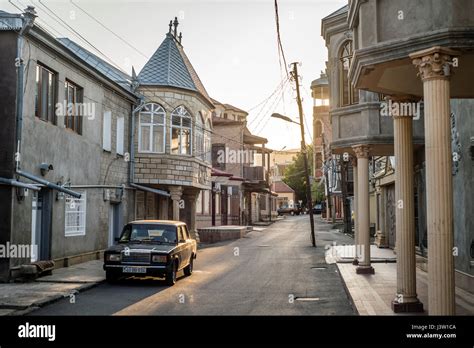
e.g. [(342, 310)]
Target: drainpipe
[(28, 21), (13, 182), (49, 184)]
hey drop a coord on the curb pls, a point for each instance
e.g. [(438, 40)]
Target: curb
[(51, 299), (347, 291)]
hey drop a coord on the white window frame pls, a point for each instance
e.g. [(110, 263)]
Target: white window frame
[(79, 207), (181, 112), (200, 137), (107, 131), (157, 109), (120, 141)]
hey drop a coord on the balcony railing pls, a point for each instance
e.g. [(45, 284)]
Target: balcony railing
[(258, 173)]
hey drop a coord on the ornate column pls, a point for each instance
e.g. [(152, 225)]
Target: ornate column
[(434, 70), (176, 192), (406, 299), (355, 262), (363, 208)]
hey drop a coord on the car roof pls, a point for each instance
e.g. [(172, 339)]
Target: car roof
[(158, 222)]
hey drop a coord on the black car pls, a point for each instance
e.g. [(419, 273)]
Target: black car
[(318, 208), (155, 248)]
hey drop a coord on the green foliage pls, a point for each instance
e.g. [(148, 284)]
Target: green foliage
[(317, 192), (294, 175)]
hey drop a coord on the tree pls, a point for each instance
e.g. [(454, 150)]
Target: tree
[(294, 174), (317, 192)]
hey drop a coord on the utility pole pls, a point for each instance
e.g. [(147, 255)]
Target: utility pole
[(304, 152)]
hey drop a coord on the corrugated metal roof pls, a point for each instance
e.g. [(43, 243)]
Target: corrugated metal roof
[(169, 66), (105, 68)]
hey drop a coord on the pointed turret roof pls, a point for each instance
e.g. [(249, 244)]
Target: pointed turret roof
[(169, 66)]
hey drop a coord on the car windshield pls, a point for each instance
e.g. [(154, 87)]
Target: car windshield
[(149, 233)]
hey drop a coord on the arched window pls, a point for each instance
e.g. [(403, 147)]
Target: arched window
[(151, 131), (347, 94), (318, 129), (207, 142), (199, 131), (181, 133)]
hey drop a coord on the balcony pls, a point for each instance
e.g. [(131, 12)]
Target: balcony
[(255, 174)]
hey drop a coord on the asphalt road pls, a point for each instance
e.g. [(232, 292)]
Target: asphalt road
[(269, 272)]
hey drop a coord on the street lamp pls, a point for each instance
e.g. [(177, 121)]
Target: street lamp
[(284, 118), (305, 160)]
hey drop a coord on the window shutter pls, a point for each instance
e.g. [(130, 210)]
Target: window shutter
[(120, 135), (107, 131)]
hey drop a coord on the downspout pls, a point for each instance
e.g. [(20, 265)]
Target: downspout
[(28, 22)]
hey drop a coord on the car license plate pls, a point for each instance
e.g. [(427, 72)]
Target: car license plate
[(134, 269)]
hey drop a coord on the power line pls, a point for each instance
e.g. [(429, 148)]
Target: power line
[(280, 46), (271, 106), (64, 24), (277, 101), (279, 87), (109, 30)]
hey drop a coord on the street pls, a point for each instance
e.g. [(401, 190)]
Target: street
[(274, 271)]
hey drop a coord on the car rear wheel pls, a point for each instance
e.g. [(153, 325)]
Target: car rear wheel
[(292, 213), (171, 276), (188, 270)]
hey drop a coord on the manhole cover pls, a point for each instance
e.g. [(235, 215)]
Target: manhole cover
[(307, 299)]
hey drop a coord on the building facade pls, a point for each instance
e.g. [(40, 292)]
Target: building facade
[(172, 132), (64, 142), (399, 63)]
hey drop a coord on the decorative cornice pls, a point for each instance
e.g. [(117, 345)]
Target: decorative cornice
[(434, 63), (396, 49), (362, 151)]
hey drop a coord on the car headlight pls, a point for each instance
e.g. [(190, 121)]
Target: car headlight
[(114, 257), (159, 258)]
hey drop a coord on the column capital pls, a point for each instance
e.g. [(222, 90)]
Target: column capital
[(402, 98), (354, 161), (176, 192), (361, 151), (434, 63)]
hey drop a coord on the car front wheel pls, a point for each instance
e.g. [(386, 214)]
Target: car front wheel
[(111, 277), (171, 276), (188, 270)]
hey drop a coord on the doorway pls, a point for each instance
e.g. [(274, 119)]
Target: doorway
[(115, 222), (41, 217)]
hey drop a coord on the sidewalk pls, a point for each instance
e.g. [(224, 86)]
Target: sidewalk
[(21, 298), (373, 294)]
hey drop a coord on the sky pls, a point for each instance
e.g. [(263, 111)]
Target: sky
[(232, 45)]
